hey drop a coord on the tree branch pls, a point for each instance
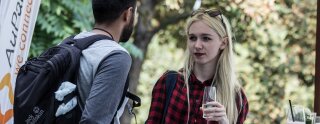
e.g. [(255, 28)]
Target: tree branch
[(156, 2), (171, 20)]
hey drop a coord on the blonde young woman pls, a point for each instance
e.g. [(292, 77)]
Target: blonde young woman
[(209, 63)]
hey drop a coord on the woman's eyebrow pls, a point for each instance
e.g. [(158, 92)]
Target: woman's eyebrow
[(203, 34)]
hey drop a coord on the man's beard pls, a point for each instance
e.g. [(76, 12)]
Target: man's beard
[(127, 31)]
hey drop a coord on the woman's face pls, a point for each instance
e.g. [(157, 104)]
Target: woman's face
[(204, 43)]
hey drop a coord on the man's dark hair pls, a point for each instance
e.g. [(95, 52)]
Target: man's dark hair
[(107, 11)]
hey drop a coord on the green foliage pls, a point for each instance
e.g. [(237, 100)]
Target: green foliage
[(133, 50), (278, 44), (59, 19)]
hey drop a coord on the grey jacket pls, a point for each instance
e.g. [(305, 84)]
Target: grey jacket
[(101, 86)]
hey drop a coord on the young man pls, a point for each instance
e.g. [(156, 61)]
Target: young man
[(104, 66)]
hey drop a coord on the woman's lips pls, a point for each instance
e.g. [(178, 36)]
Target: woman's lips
[(199, 54)]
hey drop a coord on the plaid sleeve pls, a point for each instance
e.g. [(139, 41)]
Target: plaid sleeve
[(157, 102), (244, 108)]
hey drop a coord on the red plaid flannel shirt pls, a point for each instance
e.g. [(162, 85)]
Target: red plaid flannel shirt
[(178, 107)]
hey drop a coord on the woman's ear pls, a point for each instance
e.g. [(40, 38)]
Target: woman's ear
[(224, 43)]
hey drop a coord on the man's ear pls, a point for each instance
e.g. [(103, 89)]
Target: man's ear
[(224, 43), (127, 14)]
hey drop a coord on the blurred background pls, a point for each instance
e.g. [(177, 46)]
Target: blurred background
[(274, 45)]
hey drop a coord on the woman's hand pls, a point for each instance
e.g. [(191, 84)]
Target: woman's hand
[(215, 112)]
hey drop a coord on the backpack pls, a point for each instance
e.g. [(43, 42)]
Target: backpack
[(170, 84), (39, 78)]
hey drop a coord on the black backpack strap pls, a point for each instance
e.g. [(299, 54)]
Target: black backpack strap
[(136, 100), (83, 43), (170, 84)]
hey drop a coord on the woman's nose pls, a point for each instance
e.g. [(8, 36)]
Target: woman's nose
[(198, 44)]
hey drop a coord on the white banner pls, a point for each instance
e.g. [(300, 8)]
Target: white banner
[(17, 21)]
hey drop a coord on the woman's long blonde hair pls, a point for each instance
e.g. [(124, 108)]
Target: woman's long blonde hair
[(225, 77)]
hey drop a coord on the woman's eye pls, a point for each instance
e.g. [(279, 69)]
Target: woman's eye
[(192, 38), (206, 38)]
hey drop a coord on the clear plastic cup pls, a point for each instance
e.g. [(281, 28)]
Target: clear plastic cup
[(296, 115), (317, 120)]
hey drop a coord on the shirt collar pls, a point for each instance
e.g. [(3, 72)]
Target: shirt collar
[(193, 79)]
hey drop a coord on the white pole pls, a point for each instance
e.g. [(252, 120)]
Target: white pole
[(197, 4)]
